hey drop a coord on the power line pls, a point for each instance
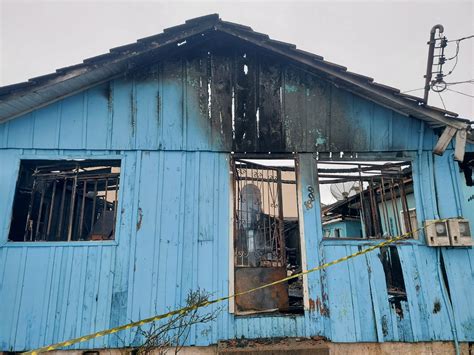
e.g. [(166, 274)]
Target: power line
[(461, 39), (470, 81), (442, 101), (462, 93), (404, 92), (456, 56)]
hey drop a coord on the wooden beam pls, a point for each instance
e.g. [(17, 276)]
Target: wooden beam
[(444, 140), (460, 147)]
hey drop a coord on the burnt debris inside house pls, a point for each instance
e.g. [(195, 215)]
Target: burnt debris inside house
[(467, 167), (266, 235), (68, 200), (367, 199), (393, 277)]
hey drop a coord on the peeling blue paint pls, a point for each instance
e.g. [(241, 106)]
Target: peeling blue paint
[(320, 139), (291, 88)]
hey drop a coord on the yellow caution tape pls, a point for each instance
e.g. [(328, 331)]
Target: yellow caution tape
[(217, 300)]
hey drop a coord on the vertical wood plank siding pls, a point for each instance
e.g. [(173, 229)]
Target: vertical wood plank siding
[(175, 179)]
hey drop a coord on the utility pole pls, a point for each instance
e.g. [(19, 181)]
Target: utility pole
[(438, 44)]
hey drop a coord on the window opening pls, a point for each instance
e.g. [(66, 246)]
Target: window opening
[(367, 200), (65, 200), (266, 235)]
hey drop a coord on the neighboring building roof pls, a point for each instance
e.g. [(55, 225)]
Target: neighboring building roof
[(339, 218), (335, 209), (21, 98)]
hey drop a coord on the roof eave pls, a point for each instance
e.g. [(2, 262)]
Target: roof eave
[(81, 79)]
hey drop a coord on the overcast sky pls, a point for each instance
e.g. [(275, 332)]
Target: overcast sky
[(381, 39)]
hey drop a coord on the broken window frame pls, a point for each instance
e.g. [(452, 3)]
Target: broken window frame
[(233, 308), (95, 161), (389, 256), (377, 212)]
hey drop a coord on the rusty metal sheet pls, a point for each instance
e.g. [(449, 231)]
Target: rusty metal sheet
[(268, 299)]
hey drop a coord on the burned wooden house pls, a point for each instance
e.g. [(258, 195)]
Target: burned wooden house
[(199, 158)]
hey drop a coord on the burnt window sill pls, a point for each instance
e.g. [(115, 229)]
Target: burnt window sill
[(274, 314)]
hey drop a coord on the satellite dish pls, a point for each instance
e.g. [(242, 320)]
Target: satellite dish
[(343, 190)]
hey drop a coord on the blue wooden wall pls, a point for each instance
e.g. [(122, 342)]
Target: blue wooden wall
[(175, 179)]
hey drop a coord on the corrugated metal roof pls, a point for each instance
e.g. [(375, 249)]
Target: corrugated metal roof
[(24, 97)]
